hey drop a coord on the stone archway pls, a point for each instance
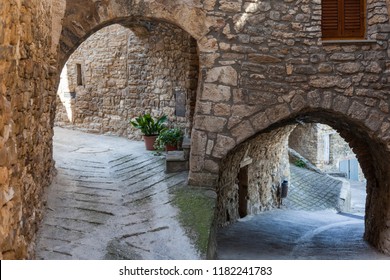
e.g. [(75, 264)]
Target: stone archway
[(260, 62), (81, 19), (121, 72), (38, 38), (267, 151)]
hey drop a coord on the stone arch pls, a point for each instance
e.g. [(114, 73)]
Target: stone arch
[(266, 147), (120, 72), (81, 19)]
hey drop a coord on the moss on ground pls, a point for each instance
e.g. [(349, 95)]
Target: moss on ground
[(196, 213)]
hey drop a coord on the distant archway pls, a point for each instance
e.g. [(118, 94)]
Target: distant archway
[(267, 152)]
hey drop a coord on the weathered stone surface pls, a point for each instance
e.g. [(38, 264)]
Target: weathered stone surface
[(277, 112), (121, 79), (324, 81), (223, 145), (216, 93), (260, 121), (242, 131), (260, 58), (210, 123), (199, 140), (244, 45), (349, 67), (341, 103), (264, 173), (225, 75), (358, 111), (223, 110)]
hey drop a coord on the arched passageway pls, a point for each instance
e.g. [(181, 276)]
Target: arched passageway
[(261, 62), (120, 73), (117, 74), (265, 157)]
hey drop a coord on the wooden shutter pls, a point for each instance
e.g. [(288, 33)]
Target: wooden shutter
[(353, 18), (331, 24), (343, 19)]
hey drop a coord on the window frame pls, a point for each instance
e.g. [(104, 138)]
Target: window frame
[(341, 32)]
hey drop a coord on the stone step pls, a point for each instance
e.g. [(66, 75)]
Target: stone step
[(176, 162)]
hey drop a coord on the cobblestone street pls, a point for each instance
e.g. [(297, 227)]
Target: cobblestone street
[(312, 191), (110, 200)]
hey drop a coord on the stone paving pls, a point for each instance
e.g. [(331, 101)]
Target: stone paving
[(294, 235), (311, 191), (307, 226), (110, 200)]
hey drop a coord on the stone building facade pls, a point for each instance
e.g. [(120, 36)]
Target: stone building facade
[(120, 73), (263, 65), (323, 147)]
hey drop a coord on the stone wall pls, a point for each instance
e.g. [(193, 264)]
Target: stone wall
[(126, 72), (308, 140), (266, 157), (304, 140), (272, 65), (262, 64), (27, 80)]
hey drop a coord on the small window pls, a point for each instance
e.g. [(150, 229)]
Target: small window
[(79, 75), (343, 19)]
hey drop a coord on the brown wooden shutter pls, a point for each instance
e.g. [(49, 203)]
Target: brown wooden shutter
[(343, 19), (331, 26), (353, 18)]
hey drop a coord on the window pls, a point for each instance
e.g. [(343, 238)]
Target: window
[(343, 19), (326, 148), (79, 75)]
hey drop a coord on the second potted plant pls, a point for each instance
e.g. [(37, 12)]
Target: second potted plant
[(170, 139), (150, 128)]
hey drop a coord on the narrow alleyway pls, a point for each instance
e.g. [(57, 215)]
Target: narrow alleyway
[(110, 200)]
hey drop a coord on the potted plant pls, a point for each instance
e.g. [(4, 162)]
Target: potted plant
[(150, 128), (170, 139)]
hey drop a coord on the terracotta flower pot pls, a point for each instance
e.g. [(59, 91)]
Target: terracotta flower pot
[(149, 142), (170, 148)]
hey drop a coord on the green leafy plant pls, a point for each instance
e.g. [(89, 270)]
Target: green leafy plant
[(172, 137), (300, 163), (148, 125)]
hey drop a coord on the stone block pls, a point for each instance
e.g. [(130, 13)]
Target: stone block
[(223, 145), (358, 110), (229, 6), (349, 67), (205, 179), (3, 175), (277, 112), (260, 121), (210, 123), (242, 131), (221, 110), (225, 75), (175, 162), (341, 103), (198, 142), (374, 120), (216, 93), (263, 58)]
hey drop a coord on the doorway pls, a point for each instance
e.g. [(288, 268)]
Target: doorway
[(243, 192)]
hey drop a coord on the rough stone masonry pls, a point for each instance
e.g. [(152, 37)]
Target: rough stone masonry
[(125, 72), (262, 66)]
